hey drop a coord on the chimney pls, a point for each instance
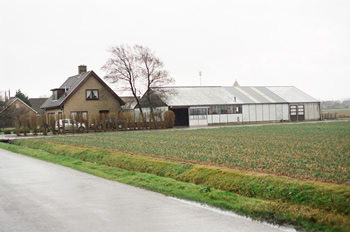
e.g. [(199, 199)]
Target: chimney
[(81, 69)]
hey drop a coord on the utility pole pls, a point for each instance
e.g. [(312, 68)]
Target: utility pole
[(200, 78)]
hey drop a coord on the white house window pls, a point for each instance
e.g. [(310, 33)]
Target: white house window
[(79, 115), (92, 94)]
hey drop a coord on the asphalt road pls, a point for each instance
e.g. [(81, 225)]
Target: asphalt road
[(40, 196)]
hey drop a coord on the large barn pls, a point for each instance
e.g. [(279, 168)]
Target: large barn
[(202, 106)]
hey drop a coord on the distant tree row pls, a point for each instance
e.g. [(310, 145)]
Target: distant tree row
[(335, 104)]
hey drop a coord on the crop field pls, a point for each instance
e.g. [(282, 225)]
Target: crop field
[(315, 151)]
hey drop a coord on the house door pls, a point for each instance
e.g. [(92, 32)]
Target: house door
[(297, 112)]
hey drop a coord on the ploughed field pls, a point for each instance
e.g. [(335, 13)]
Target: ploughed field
[(315, 151)]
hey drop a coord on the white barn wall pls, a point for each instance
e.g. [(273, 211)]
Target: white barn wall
[(198, 122), (272, 112), (210, 119), (223, 118), (266, 112), (231, 118), (245, 113), (259, 113), (216, 118), (252, 113), (312, 111), (279, 112), (285, 111)]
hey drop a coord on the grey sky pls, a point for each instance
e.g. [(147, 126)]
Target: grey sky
[(260, 43)]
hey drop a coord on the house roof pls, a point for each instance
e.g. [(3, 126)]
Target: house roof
[(200, 96), (71, 85), (36, 103), (13, 100)]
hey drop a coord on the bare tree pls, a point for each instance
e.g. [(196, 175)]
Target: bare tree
[(153, 74), (139, 69), (123, 68)]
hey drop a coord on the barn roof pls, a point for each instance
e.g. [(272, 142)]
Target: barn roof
[(200, 96), (292, 94)]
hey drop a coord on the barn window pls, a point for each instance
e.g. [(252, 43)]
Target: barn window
[(198, 113), (238, 109), (223, 109)]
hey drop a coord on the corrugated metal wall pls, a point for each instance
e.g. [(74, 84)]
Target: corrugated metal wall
[(265, 112), (312, 111)]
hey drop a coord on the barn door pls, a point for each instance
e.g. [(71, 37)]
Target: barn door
[(301, 113), (297, 112)]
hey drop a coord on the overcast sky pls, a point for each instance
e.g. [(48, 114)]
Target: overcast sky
[(258, 43)]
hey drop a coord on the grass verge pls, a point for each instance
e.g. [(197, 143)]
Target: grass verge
[(102, 163)]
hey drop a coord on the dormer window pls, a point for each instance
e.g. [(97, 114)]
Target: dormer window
[(54, 95), (92, 94), (57, 93)]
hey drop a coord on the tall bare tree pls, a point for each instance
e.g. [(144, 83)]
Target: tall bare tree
[(122, 68), (137, 68), (153, 74)]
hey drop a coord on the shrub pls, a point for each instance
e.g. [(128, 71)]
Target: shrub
[(103, 122), (33, 123), (140, 123), (169, 118), (94, 123), (24, 124), (52, 124), (124, 120), (131, 120), (63, 124), (17, 127), (43, 124)]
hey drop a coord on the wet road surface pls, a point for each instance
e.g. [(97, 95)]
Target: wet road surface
[(41, 196)]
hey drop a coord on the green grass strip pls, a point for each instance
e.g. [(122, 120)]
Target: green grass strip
[(271, 211)]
